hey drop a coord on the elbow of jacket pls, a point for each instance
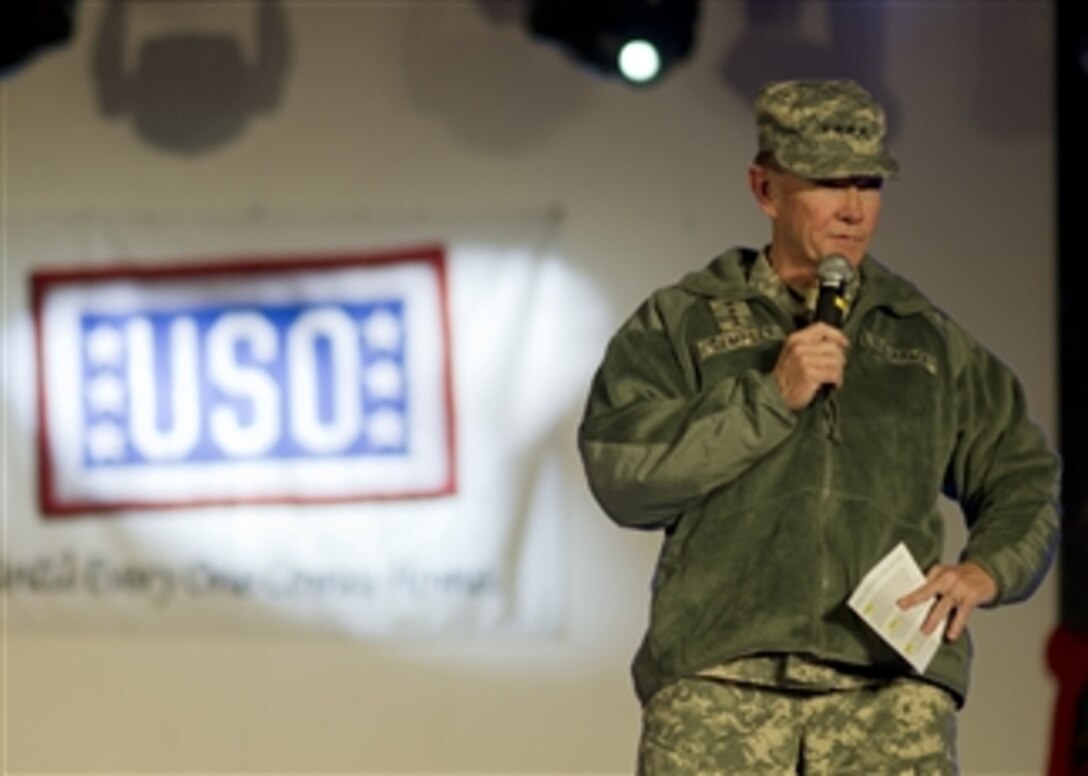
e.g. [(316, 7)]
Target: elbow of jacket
[(629, 490), (631, 507)]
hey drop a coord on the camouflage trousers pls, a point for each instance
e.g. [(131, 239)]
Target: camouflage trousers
[(703, 727)]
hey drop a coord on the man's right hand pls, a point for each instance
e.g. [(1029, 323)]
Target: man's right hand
[(811, 357)]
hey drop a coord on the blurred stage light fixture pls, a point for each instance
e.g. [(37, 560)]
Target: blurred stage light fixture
[(636, 40), (29, 27)]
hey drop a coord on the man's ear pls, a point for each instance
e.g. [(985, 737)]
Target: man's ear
[(762, 185)]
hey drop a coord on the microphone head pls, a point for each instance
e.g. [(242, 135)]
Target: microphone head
[(834, 270)]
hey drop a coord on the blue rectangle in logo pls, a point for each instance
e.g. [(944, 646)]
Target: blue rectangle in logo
[(227, 383)]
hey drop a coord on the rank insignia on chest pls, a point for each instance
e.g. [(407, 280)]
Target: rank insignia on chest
[(731, 315)]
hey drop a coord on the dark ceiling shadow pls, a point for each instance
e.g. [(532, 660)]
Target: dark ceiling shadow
[(190, 92), (492, 89), (773, 46)]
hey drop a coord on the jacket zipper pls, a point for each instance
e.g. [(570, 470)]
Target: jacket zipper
[(832, 439), (830, 417)]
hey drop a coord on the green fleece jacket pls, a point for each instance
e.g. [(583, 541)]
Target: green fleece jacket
[(772, 517)]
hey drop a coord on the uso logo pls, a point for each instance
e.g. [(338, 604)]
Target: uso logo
[(309, 379)]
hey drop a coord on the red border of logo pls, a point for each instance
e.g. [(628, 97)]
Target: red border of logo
[(44, 280)]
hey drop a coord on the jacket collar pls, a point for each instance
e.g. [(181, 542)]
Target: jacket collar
[(726, 277)]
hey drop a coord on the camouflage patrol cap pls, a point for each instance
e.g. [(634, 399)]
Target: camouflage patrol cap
[(823, 129)]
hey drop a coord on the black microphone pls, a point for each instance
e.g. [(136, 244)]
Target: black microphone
[(834, 273)]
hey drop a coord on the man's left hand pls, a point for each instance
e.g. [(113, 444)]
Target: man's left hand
[(959, 588)]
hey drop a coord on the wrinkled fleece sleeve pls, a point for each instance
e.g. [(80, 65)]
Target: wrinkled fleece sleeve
[(1004, 475), (652, 442)]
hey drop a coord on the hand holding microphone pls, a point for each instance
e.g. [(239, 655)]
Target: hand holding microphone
[(812, 359)]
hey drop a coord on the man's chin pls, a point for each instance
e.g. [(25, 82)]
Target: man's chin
[(852, 250)]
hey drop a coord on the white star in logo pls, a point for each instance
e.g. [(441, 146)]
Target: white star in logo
[(386, 429), (382, 331), (104, 345), (106, 393), (105, 442), (384, 379)]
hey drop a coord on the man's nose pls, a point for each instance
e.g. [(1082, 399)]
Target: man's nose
[(851, 208)]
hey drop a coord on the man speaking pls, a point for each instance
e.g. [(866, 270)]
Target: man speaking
[(785, 453)]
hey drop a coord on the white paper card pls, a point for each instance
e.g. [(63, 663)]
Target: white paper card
[(896, 575)]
